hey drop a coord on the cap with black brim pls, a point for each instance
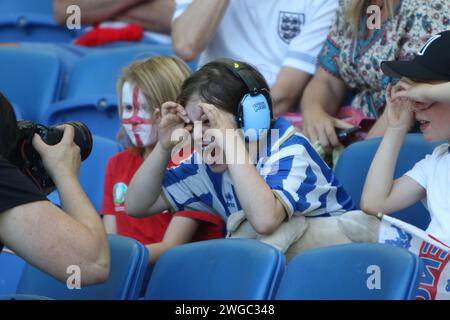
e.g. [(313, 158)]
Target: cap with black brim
[(411, 70)]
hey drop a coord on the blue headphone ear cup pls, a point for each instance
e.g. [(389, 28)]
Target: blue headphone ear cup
[(256, 114)]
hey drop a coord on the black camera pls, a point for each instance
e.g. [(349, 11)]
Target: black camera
[(28, 159)]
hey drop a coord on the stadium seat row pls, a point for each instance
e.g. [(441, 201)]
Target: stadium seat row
[(238, 269), (48, 95), (32, 21)]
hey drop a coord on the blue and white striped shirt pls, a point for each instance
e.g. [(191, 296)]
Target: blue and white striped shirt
[(291, 167)]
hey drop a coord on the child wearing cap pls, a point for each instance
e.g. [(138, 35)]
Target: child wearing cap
[(423, 94)]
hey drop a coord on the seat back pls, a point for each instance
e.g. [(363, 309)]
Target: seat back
[(224, 269), (31, 21), (30, 80), (92, 170), (369, 271), (11, 266), (129, 262), (355, 161)]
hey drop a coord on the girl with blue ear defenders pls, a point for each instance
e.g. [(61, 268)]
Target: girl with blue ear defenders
[(281, 176)]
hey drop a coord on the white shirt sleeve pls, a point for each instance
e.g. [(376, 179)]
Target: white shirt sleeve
[(180, 7), (424, 168), (305, 47), (419, 172)]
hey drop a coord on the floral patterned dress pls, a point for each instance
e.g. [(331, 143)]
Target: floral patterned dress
[(357, 60)]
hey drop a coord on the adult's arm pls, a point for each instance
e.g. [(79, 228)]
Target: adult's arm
[(288, 89), (193, 30), (153, 15), (92, 11), (319, 104), (53, 239)]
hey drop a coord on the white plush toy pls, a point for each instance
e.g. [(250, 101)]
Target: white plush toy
[(301, 233)]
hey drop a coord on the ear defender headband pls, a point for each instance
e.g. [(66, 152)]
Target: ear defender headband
[(255, 108)]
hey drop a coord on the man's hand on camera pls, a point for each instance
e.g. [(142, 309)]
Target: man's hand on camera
[(61, 160)]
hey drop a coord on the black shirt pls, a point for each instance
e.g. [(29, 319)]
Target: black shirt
[(15, 188)]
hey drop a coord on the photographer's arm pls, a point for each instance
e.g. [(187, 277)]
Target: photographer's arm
[(53, 239)]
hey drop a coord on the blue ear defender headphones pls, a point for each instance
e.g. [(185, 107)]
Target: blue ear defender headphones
[(255, 108)]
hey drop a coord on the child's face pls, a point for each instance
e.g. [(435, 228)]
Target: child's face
[(195, 113), (434, 121), (136, 117)]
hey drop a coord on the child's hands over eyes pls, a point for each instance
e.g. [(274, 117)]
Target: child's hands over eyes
[(414, 91), (172, 117), (399, 113)]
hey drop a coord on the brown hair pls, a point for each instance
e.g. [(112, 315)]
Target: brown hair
[(216, 84), (160, 79), (357, 11)]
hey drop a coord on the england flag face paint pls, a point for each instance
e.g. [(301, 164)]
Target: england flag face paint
[(135, 118)]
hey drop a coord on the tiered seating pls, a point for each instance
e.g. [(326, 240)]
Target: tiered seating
[(31, 21), (242, 269), (31, 80), (129, 262), (90, 96), (354, 164), (11, 267)]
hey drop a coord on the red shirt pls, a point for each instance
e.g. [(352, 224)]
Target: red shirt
[(119, 171)]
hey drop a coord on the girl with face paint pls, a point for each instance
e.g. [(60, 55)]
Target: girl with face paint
[(144, 86)]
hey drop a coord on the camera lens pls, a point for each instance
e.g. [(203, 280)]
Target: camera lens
[(83, 138)]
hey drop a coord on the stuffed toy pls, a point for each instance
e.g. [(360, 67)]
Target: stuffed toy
[(300, 233)]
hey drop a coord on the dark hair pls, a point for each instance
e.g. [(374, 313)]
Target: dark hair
[(8, 128), (217, 85)]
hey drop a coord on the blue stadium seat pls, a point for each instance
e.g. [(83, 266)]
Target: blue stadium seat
[(369, 271), (355, 161), (92, 171), (11, 267), (224, 269), (129, 261), (31, 21), (90, 96), (30, 80), (23, 297)]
